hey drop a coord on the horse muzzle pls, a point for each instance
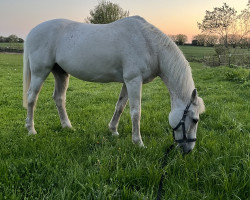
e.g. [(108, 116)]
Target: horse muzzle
[(186, 147)]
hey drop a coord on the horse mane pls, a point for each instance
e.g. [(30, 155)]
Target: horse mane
[(179, 70)]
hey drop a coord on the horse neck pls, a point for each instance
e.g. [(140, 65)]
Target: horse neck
[(177, 76)]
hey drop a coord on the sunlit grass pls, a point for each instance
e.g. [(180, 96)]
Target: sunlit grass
[(196, 51), (88, 163)]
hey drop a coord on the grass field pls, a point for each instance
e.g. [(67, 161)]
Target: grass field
[(10, 45), (192, 53), (88, 163), (196, 51)]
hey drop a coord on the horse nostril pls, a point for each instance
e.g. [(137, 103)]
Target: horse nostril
[(195, 121), (185, 150)]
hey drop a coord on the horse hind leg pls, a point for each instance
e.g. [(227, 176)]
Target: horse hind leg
[(120, 105), (59, 95), (34, 89)]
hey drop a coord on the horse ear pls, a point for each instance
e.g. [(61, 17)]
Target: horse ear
[(194, 96)]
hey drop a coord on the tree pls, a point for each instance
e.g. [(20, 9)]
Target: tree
[(106, 12), (243, 24), (20, 40), (200, 39), (205, 40), (173, 37), (2, 39), (179, 39), (12, 38), (219, 21), (212, 40)]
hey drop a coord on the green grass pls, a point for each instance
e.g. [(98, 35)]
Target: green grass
[(88, 163), (197, 52)]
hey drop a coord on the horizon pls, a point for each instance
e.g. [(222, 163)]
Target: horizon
[(19, 18)]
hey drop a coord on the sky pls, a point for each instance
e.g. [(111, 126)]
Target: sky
[(171, 16)]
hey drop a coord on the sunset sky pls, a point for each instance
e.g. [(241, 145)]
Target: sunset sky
[(171, 16)]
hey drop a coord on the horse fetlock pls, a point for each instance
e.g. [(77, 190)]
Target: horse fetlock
[(114, 133), (30, 126), (113, 129), (66, 125)]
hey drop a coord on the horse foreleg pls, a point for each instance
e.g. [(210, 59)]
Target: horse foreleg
[(120, 105), (59, 95), (134, 88)]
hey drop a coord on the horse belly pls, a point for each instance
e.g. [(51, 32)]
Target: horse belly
[(98, 68), (84, 73)]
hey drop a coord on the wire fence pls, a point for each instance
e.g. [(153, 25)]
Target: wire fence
[(242, 60)]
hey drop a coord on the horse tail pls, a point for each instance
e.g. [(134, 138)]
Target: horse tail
[(26, 76)]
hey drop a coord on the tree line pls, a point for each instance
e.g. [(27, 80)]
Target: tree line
[(233, 40), (11, 39), (221, 26)]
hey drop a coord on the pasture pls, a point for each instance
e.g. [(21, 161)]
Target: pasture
[(88, 163), (197, 52), (11, 47)]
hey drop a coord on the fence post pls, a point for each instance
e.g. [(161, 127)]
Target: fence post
[(219, 60)]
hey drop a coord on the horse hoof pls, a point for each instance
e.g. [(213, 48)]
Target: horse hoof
[(67, 126), (139, 143), (32, 132), (113, 131), (142, 146), (116, 134)]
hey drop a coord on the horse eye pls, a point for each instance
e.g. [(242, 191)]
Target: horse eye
[(195, 121)]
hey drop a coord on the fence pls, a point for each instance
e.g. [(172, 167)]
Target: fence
[(242, 60)]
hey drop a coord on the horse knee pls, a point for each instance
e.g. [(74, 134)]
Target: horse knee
[(135, 114)]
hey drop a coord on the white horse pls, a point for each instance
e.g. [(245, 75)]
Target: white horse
[(130, 51)]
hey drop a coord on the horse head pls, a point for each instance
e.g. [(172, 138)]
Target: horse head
[(184, 122)]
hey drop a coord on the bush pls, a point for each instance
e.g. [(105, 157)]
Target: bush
[(221, 50), (238, 75)]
